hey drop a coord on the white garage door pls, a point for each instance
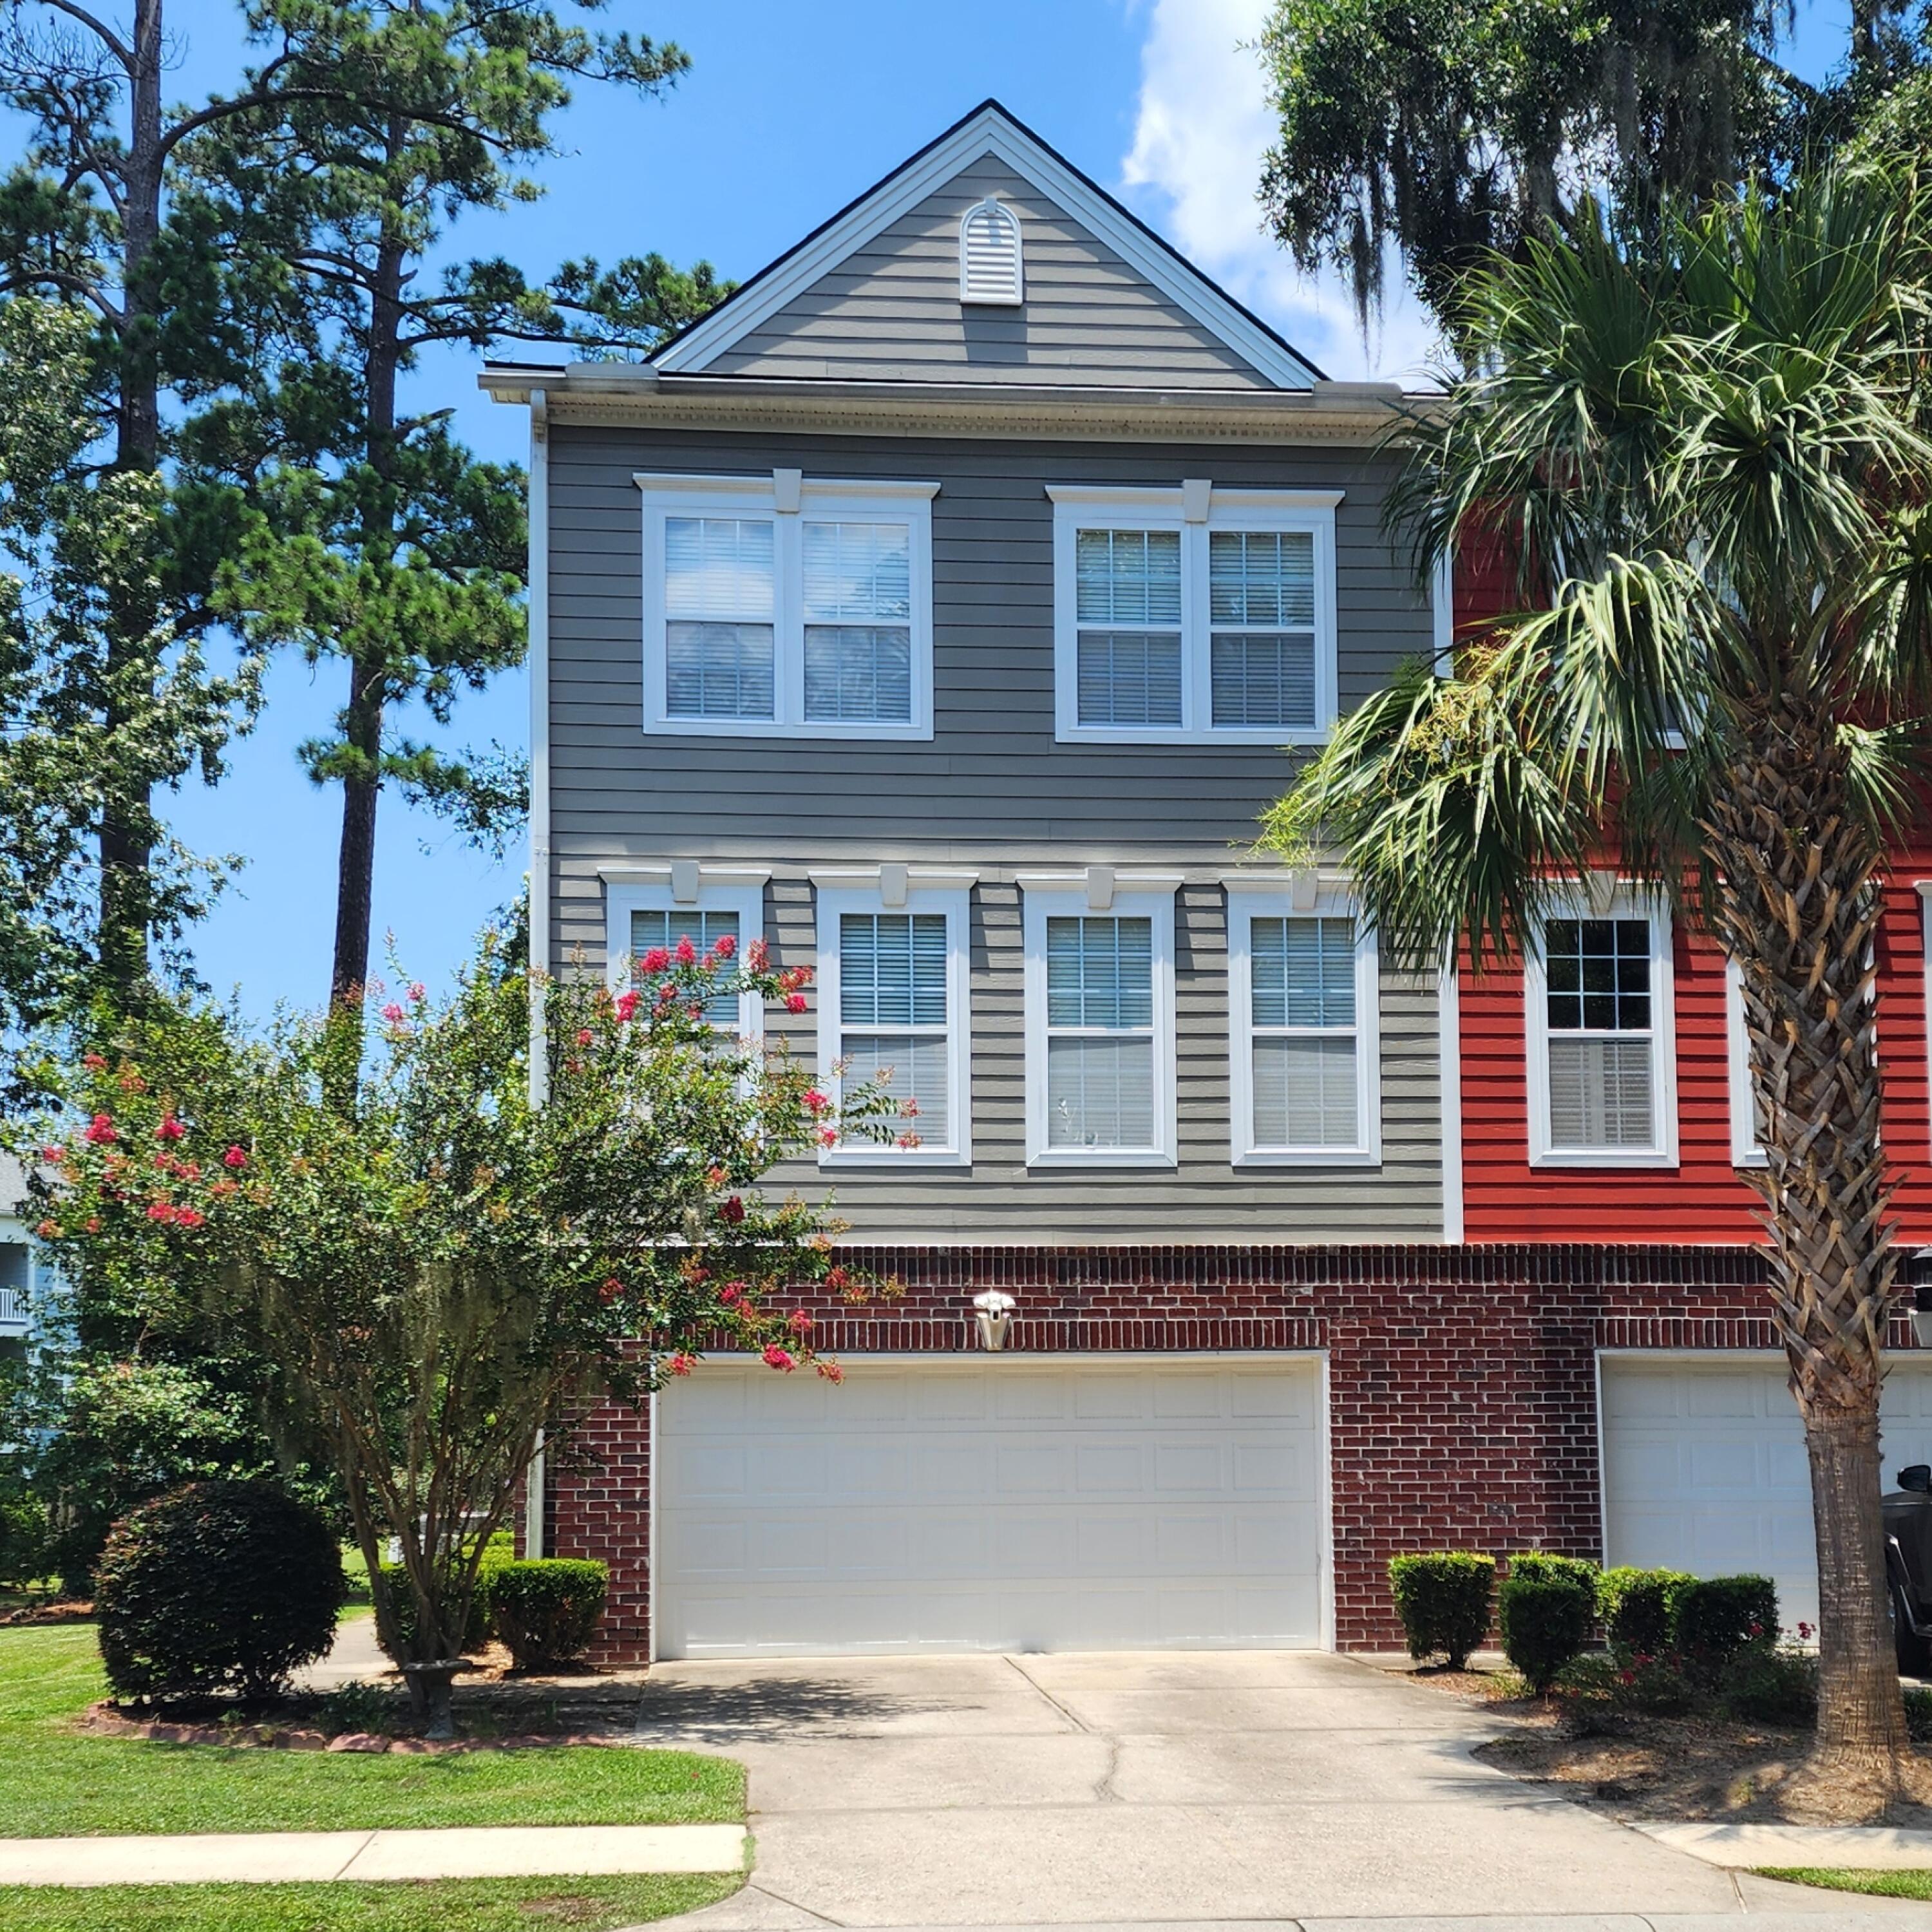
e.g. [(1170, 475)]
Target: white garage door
[(1704, 1468), (990, 1502)]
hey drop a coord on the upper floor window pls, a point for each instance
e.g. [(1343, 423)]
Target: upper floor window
[(990, 268), (782, 606), (1304, 991), (1194, 613), (1746, 1108), (1099, 1021), (647, 907), (893, 1011), (1601, 1039)]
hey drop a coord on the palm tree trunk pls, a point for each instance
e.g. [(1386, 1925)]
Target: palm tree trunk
[(1798, 909)]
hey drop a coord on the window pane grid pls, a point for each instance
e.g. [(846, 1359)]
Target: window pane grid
[(1128, 577), (1303, 1020), (893, 974), (1099, 1017), (1599, 1018), (664, 928)]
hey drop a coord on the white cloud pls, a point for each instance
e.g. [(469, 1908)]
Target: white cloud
[(1202, 129)]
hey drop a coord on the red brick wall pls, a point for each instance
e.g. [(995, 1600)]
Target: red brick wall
[(1461, 1381)]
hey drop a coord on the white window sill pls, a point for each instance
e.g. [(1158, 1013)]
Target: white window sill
[(1608, 1157), (1271, 735), (1755, 1158), (766, 727), (1140, 1157), (850, 1158), (1322, 1156)]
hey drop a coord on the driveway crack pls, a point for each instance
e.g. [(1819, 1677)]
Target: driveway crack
[(779, 1897), (1104, 1791), (1049, 1696)]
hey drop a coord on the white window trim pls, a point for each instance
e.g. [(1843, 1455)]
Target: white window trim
[(1617, 903), (1250, 898), (1100, 893), (788, 499), (918, 891), (1195, 510), (686, 887), (1745, 1151)]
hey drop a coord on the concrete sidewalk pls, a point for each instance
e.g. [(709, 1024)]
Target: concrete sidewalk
[(1842, 1847), (549, 1851)]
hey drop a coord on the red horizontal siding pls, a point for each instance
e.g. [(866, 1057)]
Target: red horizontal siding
[(1702, 1198)]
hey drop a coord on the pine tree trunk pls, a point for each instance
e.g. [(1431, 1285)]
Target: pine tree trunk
[(355, 865), (1798, 909)]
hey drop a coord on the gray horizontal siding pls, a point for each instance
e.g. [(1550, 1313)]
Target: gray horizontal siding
[(1205, 1197), (892, 309)]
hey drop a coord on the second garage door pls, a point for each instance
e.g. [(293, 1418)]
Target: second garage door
[(1704, 1467), (991, 1502)]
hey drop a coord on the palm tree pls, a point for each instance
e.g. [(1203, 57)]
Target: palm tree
[(1709, 464)]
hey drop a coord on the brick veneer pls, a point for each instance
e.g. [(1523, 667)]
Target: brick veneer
[(1461, 1380)]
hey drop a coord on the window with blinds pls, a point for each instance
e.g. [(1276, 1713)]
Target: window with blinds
[(1099, 1033), (1600, 1034), (662, 927), (720, 603), (991, 269), (1261, 596), (1303, 1036), (894, 1016), (1127, 597), (858, 622)]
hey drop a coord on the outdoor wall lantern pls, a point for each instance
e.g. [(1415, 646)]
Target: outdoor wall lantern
[(994, 1313), (1918, 1277)]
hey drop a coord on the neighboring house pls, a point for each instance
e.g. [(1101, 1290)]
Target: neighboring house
[(939, 607), (16, 1262)]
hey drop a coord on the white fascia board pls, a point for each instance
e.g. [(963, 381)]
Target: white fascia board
[(759, 483), (989, 132), (1169, 497)]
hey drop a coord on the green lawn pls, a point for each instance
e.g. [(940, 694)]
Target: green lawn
[(1882, 1884), (52, 1783), (444, 1905)]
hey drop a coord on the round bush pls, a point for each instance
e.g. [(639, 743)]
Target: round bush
[(1714, 1618), (1639, 1609), (1545, 1620), (216, 1587), (548, 1610), (1771, 1686), (1443, 1599)]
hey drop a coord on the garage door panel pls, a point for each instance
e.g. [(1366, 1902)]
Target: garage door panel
[(1009, 1504)]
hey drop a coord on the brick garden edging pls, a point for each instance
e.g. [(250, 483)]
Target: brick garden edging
[(1461, 1386)]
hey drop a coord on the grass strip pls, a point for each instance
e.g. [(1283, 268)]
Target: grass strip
[(1880, 1884), (435, 1905), (54, 1783)]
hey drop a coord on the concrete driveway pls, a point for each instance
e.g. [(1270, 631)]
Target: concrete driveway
[(1008, 1791)]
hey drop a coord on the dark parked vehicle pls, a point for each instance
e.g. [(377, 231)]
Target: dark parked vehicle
[(1908, 1563)]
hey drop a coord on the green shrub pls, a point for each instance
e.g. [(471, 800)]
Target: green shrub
[(1443, 1600), (1637, 1607), (501, 1548), (216, 1586), (23, 1540), (1545, 1563), (1766, 1686), (1714, 1618), (1918, 1713), (548, 1610), (1546, 1617), (1657, 1685)]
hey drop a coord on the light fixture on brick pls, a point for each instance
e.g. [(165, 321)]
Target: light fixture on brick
[(993, 1312)]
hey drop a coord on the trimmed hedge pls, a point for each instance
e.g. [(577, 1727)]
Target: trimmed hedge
[(216, 1586), (498, 1551), (1638, 1608), (1443, 1599), (546, 1610), (1714, 1618), (1545, 1563), (1545, 1617)]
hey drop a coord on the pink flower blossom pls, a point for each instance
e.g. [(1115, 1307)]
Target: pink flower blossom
[(725, 946), (235, 1156), (160, 1210), (757, 955), (655, 960), (907, 1140), (393, 1014), (52, 1152), (583, 1036), (794, 1003), (417, 994), (732, 1210), (170, 1129), (627, 1006), (95, 1063), (831, 1371), (687, 953), (782, 1359), (799, 1322), (909, 1108), (731, 1295), (827, 1137), (682, 1364), (189, 1217), (815, 1102), (100, 1130)]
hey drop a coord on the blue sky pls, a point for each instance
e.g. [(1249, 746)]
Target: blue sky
[(789, 111)]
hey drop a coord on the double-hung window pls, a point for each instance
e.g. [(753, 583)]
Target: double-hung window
[(1304, 990), (646, 907), (787, 606), (1099, 1017), (893, 1014), (1747, 1112), (1599, 992), (1194, 613)]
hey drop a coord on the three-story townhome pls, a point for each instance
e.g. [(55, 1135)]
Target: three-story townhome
[(944, 607)]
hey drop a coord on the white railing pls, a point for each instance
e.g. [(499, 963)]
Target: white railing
[(13, 1311)]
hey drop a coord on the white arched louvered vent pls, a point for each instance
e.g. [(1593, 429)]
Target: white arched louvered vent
[(989, 254)]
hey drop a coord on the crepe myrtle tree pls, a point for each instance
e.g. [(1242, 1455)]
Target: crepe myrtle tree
[(445, 1269), (1708, 461)]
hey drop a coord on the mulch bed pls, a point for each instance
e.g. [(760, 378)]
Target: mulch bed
[(78, 1611)]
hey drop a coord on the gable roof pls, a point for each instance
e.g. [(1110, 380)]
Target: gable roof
[(988, 130)]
